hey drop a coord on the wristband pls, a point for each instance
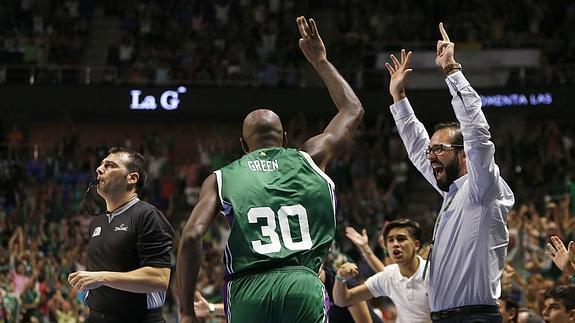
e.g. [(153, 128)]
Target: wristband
[(340, 279), (211, 308)]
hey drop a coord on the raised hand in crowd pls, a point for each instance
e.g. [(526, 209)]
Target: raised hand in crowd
[(559, 213), (509, 275), (361, 241), (563, 257)]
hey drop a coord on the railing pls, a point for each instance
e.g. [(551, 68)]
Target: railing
[(57, 74), (359, 78)]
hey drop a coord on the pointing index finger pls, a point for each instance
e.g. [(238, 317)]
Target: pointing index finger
[(443, 32)]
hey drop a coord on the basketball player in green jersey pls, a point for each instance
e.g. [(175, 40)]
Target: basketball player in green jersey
[(280, 206)]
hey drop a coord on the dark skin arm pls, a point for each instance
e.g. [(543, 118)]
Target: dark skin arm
[(326, 146), (190, 250)]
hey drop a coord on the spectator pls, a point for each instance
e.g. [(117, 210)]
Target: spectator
[(508, 308), (528, 316), (559, 304), (402, 281)]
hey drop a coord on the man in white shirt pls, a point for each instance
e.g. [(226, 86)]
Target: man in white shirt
[(402, 281), (470, 238)]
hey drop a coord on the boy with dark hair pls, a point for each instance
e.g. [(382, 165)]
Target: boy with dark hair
[(508, 308), (413, 227), (559, 304)]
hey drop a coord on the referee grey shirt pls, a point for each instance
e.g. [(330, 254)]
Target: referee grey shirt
[(471, 238)]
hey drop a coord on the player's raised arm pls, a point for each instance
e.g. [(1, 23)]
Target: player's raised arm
[(326, 146)]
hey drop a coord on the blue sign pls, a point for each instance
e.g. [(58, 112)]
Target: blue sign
[(516, 99)]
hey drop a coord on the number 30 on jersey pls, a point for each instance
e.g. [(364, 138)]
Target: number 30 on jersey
[(269, 230)]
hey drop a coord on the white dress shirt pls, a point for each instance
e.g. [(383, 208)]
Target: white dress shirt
[(408, 294), (471, 238)]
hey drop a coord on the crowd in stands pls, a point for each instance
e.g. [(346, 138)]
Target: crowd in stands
[(44, 32), (43, 217), (254, 42)]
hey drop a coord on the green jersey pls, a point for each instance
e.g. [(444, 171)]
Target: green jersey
[(280, 207)]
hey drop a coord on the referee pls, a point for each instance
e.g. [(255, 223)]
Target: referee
[(129, 247)]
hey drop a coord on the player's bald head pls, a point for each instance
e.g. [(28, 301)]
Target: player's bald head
[(262, 127)]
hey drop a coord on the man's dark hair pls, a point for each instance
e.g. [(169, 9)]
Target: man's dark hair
[(458, 137), (413, 227), (510, 304), (136, 164), (532, 317), (563, 293)]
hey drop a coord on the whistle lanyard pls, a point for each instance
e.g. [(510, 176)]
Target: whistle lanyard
[(434, 232)]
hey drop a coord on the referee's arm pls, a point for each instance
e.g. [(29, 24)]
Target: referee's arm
[(142, 280)]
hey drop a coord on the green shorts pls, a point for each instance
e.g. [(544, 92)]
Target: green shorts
[(287, 294)]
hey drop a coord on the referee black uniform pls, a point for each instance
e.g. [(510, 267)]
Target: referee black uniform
[(133, 236)]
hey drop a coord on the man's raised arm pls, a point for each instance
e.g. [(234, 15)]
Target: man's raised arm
[(412, 132), (326, 146), (486, 183)]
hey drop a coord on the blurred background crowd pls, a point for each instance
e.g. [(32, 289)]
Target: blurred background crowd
[(251, 42), (43, 221)]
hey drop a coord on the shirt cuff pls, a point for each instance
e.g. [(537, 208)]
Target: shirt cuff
[(401, 109), (456, 82)]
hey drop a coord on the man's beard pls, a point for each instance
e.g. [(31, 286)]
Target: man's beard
[(451, 174)]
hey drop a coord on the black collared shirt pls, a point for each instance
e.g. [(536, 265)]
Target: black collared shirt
[(134, 236)]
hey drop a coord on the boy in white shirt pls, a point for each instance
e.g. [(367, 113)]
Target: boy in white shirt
[(402, 281)]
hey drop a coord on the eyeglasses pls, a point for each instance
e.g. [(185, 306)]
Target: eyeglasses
[(438, 149)]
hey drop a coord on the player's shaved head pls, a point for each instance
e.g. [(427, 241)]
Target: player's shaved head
[(262, 128)]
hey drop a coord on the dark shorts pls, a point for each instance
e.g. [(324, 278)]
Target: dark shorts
[(149, 316)]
